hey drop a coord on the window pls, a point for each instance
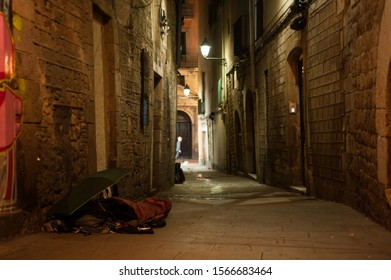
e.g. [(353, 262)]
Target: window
[(219, 92), (241, 36), (258, 18), (181, 80), (183, 43)]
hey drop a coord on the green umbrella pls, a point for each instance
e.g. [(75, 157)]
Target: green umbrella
[(87, 189)]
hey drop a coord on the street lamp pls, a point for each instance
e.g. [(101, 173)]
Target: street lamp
[(188, 94), (186, 91), (205, 49)]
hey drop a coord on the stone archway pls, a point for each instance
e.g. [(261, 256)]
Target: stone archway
[(296, 119), (184, 129), (383, 99)]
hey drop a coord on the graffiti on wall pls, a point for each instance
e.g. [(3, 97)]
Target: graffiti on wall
[(10, 110)]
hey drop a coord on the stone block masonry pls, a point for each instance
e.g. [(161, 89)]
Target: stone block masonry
[(364, 191), (325, 105), (56, 60), (346, 76)]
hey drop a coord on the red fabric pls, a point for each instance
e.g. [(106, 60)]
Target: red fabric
[(150, 208), (10, 117), (7, 53)]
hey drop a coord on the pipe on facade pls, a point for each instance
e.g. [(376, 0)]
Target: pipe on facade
[(252, 49)]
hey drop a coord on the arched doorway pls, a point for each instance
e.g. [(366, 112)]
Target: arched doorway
[(183, 129), (250, 135), (297, 123)]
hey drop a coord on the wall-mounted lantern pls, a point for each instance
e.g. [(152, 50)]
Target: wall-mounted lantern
[(188, 94), (205, 49), (163, 23), (298, 23), (186, 91), (299, 7), (292, 108)]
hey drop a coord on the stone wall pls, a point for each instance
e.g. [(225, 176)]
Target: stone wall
[(322, 103), (342, 103), (55, 76), (53, 48), (135, 62), (273, 108), (233, 119), (326, 103), (364, 191)]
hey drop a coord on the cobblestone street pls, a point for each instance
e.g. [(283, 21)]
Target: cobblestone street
[(220, 216)]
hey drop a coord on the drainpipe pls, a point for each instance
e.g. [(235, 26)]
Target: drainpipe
[(253, 85), (252, 40)]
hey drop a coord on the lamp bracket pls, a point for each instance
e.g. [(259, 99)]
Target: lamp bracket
[(217, 58)]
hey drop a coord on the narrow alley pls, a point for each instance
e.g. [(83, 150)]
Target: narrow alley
[(217, 216)]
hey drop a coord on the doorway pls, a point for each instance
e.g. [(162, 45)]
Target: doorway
[(302, 138), (297, 120), (99, 90), (239, 143), (183, 129)]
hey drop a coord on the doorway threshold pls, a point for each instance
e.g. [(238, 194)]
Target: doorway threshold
[(298, 189), (252, 176)]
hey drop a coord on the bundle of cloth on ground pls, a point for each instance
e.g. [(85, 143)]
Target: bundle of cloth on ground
[(113, 214)]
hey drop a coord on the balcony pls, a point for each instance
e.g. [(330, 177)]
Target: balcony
[(187, 11), (189, 61)]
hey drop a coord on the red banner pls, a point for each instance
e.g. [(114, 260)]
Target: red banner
[(10, 111), (10, 117), (7, 57)]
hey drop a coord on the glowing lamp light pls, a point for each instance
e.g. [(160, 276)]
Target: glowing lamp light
[(186, 91), (205, 48)]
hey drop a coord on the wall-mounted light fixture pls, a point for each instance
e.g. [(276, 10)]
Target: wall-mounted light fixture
[(163, 23), (298, 23), (205, 49), (299, 7), (186, 91)]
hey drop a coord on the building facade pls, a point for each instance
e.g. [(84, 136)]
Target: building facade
[(97, 82), (305, 99), (187, 106)]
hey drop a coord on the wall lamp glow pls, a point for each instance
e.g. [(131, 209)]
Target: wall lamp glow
[(186, 91), (205, 49)]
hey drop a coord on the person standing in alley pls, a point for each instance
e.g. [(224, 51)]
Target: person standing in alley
[(178, 148)]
